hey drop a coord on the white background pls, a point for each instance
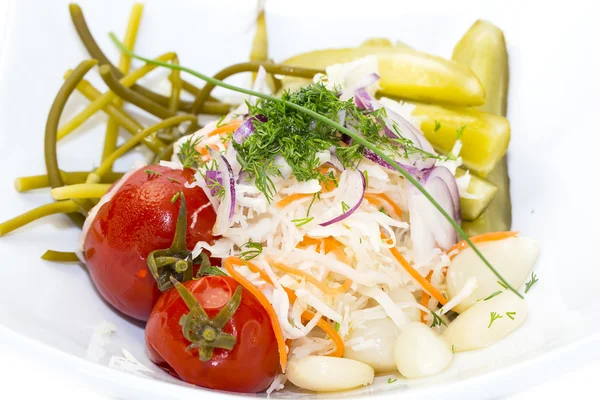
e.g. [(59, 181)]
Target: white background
[(24, 376)]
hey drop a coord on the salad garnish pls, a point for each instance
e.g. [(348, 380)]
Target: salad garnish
[(339, 128)]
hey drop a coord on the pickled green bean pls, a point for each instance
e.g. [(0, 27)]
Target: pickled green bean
[(176, 84), (165, 154), (27, 183), (108, 97), (112, 127), (104, 168), (59, 207), (80, 191), (253, 66), (94, 50), (119, 116), (132, 96), (60, 256), (50, 138)]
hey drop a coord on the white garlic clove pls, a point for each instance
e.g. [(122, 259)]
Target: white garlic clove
[(420, 351), (328, 374), (486, 322), (382, 333), (513, 258)]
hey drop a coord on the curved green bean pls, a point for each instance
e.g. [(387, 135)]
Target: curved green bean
[(69, 85), (60, 256), (176, 85), (59, 207), (94, 50), (132, 96), (27, 183), (132, 142), (117, 115), (112, 127), (108, 97), (80, 191), (251, 66), (165, 154)]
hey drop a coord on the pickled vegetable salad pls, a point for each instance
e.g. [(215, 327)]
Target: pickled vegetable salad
[(351, 243)]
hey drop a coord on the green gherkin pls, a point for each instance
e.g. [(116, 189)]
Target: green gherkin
[(483, 49)]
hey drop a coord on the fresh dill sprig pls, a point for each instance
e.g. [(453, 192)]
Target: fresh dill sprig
[(437, 320), (532, 282), (502, 284), (188, 155), (336, 326), (302, 221), (460, 131), (220, 121), (390, 380), (311, 203), (345, 207), (437, 126), (212, 270), (255, 249), (452, 349), (491, 296), (511, 314), (494, 316), (152, 172), (298, 137), (173, 180), (175, 197), (215, 187)]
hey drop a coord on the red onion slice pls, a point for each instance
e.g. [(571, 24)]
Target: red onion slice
[(247, 128), (213, 177), (335, 160), (444, 174), (367, 81), (428, 225), (227, 206), (353, 195), (365, 101), (370, 155)]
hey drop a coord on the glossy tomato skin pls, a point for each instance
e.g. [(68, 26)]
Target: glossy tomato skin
[(139, 219), (252, 364)]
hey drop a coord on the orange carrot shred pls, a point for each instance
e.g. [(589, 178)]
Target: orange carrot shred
[(291, 198), (324, 288), (230, 127), (425, 298), (307, 315), (484, 237), (329, 331), (376, 198), (425, 284), (229, 266)]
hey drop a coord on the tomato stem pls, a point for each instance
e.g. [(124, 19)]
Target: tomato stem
[(207, 334), (176, 261)]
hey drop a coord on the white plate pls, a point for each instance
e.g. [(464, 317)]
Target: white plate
[(552, 108)]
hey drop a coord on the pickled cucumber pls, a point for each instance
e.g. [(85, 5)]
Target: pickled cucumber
[(406, 73), (485, 136), (483, 49), (482, 192), (377, 42)]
